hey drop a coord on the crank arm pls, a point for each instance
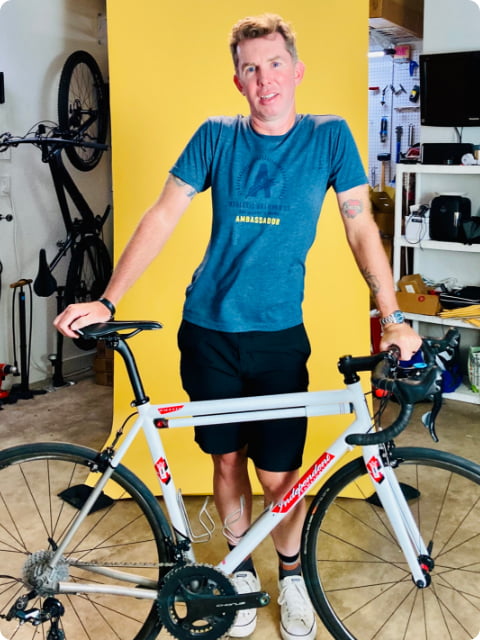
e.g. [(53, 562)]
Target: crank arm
[(205, 605)]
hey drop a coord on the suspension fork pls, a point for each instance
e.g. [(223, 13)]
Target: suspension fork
[(399, 514)]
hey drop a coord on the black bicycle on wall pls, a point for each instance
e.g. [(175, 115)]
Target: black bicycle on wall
[(81, 133)]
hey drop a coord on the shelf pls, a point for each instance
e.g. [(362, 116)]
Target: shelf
[(435, 260), (447, 169), (463, 394), (445, 322), (436, 245)]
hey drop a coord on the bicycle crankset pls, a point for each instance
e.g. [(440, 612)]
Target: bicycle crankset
[(198, 601)]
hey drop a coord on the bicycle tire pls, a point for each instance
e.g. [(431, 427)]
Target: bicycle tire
[(356, 575), (88, 273), (33, 517), (82, 96)]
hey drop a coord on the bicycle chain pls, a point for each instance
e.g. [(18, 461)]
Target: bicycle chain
[(146, 565)]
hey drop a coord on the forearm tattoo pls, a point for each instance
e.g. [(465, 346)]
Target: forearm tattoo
[(371, 280), (352, 208), (189, 190)]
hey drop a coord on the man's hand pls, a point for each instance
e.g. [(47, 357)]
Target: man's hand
[(76, 316), (402, 335)]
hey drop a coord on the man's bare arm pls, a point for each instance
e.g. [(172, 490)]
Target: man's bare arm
[(148, 239), (364, 239)]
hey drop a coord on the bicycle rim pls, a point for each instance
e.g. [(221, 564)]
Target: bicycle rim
[(356, 574), (88, 273), (82, 108), (33, 518)]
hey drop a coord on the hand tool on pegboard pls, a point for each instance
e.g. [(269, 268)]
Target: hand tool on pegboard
[(399, 133), (383, 129)]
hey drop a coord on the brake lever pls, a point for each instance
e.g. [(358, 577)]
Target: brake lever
[(429, 418)]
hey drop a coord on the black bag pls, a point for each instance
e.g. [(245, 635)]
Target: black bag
[(471, 230), (448, 214), (460, 298)]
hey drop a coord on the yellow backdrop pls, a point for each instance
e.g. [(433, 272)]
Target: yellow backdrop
[(170, 68)]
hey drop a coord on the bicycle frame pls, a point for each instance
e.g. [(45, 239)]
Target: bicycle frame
[(155, 417), (64, 184)]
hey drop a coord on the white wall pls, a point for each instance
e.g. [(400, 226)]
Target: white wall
[(36, 37), (451, 25)]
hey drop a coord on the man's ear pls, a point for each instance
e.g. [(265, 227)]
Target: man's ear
[(299, 71), (238, 84)]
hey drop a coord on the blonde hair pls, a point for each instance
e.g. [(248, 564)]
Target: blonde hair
[(259, 26)]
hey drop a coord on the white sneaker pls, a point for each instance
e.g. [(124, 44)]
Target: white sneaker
[(297, 618), (246, 619)]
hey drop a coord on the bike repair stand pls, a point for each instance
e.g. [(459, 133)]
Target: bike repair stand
[(56, 359), (22, 390)]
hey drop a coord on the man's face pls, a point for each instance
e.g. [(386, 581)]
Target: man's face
[(267, 76)]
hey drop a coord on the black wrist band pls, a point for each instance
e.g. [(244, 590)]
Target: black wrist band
[(110, 306)]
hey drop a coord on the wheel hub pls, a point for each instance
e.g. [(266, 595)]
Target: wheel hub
[(38, 574)]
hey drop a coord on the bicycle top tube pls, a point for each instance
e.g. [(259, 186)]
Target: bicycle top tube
[(409, 385)]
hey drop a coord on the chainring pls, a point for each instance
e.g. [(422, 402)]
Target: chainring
[(180, 602)]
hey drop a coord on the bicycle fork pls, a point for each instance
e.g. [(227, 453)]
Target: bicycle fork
[(394, 502)]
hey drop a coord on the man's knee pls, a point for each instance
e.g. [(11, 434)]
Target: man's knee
[(230, 464), (276, 483)]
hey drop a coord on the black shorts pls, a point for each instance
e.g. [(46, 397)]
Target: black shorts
[(217, 365)]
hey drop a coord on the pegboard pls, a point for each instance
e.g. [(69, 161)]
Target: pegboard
[(391, 84)]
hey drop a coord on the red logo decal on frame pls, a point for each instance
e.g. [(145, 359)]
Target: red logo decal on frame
[(161, 468), (163, 410), (374, 469)]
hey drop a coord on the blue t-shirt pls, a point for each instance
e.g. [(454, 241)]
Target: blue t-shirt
[(267, 193)]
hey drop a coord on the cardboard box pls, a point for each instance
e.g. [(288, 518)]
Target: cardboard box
[(423, 303), (413, 296), (412, 284)]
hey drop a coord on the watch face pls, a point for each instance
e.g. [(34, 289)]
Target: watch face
[(396, 317)]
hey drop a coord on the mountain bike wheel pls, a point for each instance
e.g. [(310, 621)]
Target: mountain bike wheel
[(357, 577), (88, 273), (35, 513), (82, 108)]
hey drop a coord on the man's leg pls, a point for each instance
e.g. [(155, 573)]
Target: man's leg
[(231, 486), (233, 500), (297, 618), (287, 535)]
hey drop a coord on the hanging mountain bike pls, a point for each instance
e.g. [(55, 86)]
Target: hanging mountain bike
[(81, 133)]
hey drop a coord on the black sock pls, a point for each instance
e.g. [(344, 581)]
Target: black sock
[(289, 566), (245, 565)]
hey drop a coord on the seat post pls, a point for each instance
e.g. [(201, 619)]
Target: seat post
[(118, 344)]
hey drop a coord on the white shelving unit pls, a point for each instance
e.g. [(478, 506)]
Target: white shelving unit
[(433, 260)]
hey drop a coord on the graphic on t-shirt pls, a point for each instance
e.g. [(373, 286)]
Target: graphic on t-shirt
[(262, 183), (262, 186)]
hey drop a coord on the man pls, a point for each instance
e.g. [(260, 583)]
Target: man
[(242, 331)]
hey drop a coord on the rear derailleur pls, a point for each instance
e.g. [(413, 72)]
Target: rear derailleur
[(51, 611)]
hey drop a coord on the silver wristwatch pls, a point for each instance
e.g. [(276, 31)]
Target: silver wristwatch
[(396, 317)]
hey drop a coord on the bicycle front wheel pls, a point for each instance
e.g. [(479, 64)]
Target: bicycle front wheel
[(356, 574), (88, 273), (40, 484), (83, 108)]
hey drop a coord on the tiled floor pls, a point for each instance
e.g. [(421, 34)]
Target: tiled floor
[(60, 416)]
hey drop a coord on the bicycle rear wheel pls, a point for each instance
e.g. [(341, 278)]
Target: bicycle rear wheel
[(83, 108), (130, 531), (356, 575), (88, 273)]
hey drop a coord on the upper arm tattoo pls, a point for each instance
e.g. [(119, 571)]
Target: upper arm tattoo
[(352, 208), (189, 190)]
